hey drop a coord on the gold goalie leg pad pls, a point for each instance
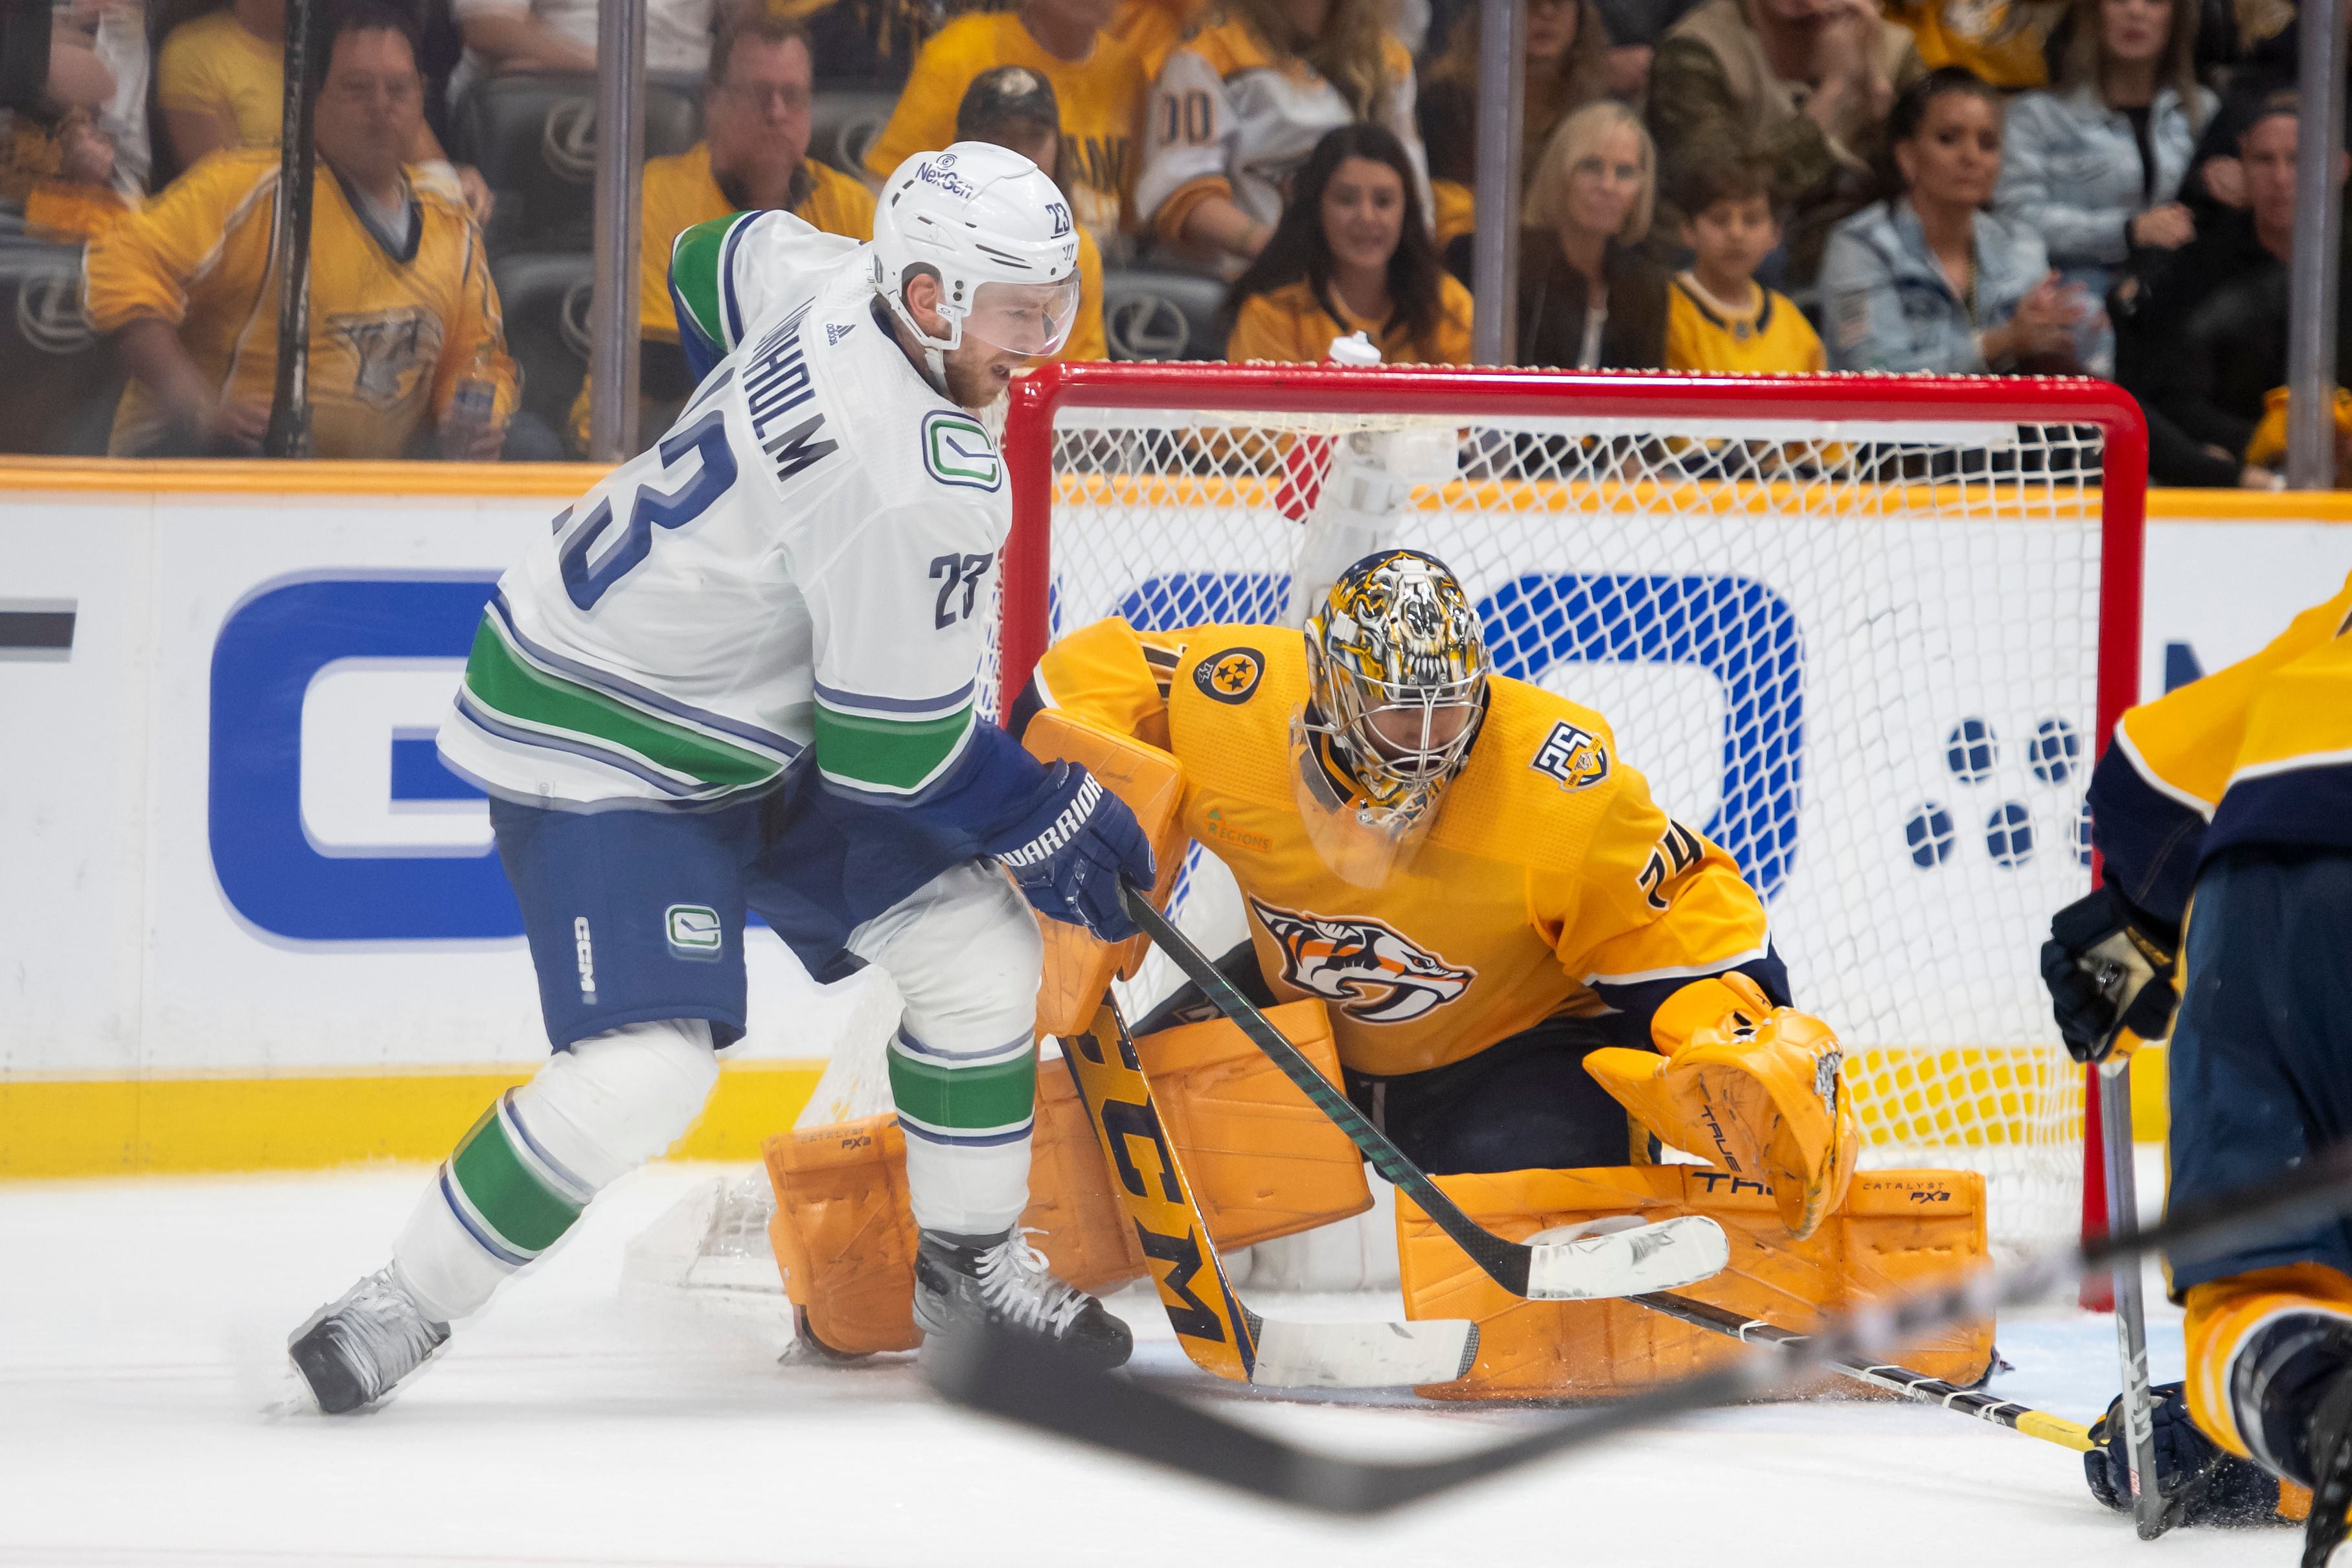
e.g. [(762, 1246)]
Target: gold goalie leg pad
[(1894, 1228), (1079, 967), (1264, 1163)]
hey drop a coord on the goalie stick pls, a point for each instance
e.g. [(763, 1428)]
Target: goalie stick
[(1212, 1324), (1678, 1251), (998, 1373)]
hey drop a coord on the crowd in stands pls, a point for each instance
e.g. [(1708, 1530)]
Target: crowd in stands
[(2101, 187)]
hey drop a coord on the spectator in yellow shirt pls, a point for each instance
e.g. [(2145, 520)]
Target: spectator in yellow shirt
[(403, 313), (755, 107), (1352, 254), (1097, 81), (1012, 107), (220, 80), (1718, 318)]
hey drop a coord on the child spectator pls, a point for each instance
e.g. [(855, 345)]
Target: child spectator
[(1568, 68), (403, 312), (755, 105), (1926, 279), (1096, 81), (2093, 165), (1590, 296), (1012, 107), (1241, 103), (1718, 318), (220, 80), (1807, 83), (1352, 254)]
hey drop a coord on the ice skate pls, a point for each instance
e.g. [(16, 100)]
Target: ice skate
[(964, 1279), (354, 1350)]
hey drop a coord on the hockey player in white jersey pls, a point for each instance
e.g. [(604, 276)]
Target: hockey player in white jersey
[(739, 674)]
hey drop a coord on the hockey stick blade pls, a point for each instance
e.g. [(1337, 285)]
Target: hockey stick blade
[(1005, 1374), (1215, 1327), (1002, 1376), (1659, 1257)]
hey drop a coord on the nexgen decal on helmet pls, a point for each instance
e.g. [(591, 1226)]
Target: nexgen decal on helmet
[(1398, 672), (998, 233)]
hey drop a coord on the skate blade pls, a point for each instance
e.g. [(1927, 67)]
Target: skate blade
[(1573, 1264), (289, 1393)]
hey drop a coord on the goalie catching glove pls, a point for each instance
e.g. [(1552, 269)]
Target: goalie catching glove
[(1759, 1092), (2109, 967), (1067, 857)]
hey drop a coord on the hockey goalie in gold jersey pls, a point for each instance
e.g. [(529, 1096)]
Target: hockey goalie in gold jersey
[(1512, 938)]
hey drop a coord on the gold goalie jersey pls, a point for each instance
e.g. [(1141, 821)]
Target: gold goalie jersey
[(1548, 883), (392, 332)]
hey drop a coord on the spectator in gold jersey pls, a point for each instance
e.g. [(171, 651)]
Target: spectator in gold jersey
[(756, 100)]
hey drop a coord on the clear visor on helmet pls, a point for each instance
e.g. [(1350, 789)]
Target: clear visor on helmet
[(1032, 319)]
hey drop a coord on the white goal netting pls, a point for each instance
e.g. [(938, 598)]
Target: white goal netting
[(1862, 656)]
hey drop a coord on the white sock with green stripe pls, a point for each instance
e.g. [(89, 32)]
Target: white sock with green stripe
[(523, 1174), (967, 1117)]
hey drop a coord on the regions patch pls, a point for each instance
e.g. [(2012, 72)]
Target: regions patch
[(694, 932), (957, 451), (1574, 757), (1230, 677), (1370, 970)]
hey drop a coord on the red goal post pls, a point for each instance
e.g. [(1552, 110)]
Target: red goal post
[(1990, 498)]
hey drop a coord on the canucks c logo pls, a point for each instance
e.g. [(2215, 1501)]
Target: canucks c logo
[(1230, 677), (1574, 757), (1372, 971)]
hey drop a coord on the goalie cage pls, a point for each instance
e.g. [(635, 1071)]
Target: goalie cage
[(1867, 632)]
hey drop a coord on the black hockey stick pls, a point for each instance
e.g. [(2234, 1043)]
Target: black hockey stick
[(1003, 1375), (1549, 1272)]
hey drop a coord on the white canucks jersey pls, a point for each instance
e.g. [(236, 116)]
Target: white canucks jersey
[(803, 562)]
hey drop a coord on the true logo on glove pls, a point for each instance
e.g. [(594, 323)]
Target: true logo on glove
[(1230, 677)]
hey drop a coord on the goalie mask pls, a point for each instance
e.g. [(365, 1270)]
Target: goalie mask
[(1396, 673)]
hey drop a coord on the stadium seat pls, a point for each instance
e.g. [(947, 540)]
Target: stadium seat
[(1150, 314), (535, 138), (844, 124), (545, 300), (58, 383)]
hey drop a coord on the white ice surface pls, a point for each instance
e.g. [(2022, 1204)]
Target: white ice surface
[(142, 1324)]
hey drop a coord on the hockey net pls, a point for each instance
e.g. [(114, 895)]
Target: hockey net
[(1849, 627)]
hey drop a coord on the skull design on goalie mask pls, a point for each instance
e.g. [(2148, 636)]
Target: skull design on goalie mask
[(1397, 671)]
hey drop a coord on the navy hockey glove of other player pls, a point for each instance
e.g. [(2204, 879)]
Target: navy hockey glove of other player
[(2201, 1482), (2109, 967), (1068, 854)]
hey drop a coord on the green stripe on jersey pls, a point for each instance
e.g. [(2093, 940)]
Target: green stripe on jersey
[(895, 754), (964, 1099), (513, 1199), (503, 680), (694, 261)]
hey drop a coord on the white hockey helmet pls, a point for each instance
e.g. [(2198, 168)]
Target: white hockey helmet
[(999, 233)]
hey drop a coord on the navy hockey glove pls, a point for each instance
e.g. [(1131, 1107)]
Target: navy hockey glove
[(2201, 1482), (2109, 967), (1069, 855)]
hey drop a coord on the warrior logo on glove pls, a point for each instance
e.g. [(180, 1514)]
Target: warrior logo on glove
[(1370, 970)]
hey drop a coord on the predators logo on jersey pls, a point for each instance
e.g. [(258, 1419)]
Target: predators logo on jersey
[(1369, 969), (1574, 757), (388, 347)]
